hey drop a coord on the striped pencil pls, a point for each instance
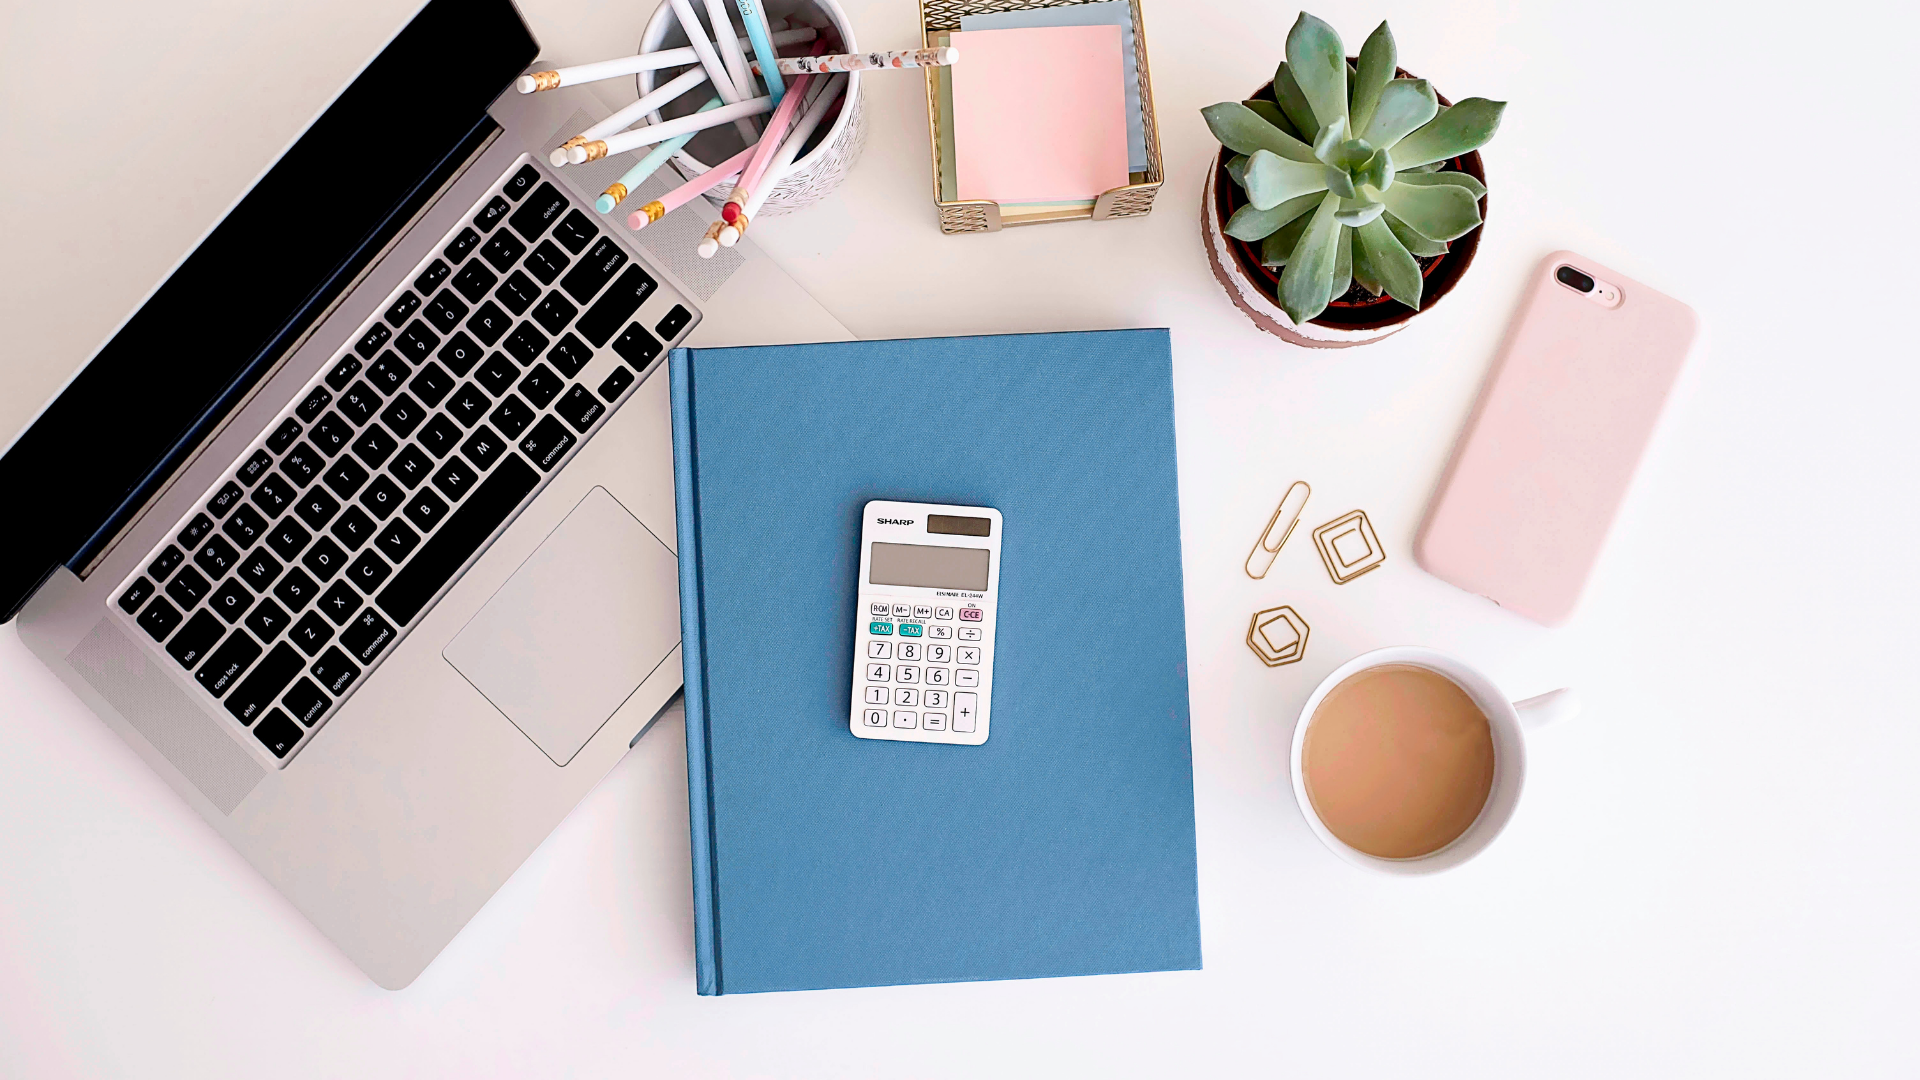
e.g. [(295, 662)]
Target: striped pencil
[(634, 65), (868, 61), (755, 21), (617, 192), (650, 134), (689, 191), (817, 112), (630, 115)]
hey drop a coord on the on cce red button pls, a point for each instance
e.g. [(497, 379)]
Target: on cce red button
[(972, 614)]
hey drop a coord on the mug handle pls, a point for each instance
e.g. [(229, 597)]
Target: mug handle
[(1551, 707)]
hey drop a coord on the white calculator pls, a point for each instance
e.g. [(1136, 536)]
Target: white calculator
[(923, 628)]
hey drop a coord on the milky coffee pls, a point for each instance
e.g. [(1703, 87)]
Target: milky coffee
[(1398, 761)]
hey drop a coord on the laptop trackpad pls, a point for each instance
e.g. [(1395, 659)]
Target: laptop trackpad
[(583, 622)]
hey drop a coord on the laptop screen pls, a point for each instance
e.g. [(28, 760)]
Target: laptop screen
[(279, 257)]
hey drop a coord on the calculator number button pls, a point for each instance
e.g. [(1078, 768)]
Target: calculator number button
[(934, 721), (903, 611), (877, 672), (966, 676), (876, 695), (881, 628), (969, 633), (966, 710), (879, 650), (938, 676), (880, 609), (910, 650), (969, 654), (937, 654), (906, 674), (906, 695), (911, 629), (945, 613), (876, 718), (972, 614), (922, 611), (942, 633), (933, 699), (904, 719)]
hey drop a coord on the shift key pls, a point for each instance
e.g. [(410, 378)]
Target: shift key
[(256, 693), (615, 308), (594, 270)]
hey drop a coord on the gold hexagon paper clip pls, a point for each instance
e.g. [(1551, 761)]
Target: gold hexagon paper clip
[(1277, 636)]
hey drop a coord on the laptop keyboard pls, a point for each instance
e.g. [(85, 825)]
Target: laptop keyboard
[(331, 535)]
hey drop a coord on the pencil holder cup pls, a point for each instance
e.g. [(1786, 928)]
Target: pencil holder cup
[(816, 173)]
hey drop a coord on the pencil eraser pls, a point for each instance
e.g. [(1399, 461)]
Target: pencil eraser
[(730, 213), (729, 236), (708, 247), (637, 221), (558, 157), (604, 204), (525, 84), (576, 155)]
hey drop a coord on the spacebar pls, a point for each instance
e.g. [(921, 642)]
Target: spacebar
[(459, 537)]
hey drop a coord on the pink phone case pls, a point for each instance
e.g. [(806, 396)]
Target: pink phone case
[(1560, 427)]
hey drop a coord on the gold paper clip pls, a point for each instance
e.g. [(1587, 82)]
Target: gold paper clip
[(1279, 527)]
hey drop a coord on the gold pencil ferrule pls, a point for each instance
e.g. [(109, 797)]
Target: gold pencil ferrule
[(573, 142), (618, 191), (595, 150), (740, 224), (545, 80), (654, 210), (713, 230)]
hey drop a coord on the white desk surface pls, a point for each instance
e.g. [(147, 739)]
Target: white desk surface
[(1713, 871)]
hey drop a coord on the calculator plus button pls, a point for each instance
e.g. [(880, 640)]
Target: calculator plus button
[(969, 654), (939, 654), (934, 721), (941, 632), (876, 695), (969, 633), (882, 628), (904, 719), (877, 672), (879, 650), (965, 711), (879, 609), (972, 614), (945, 613), (906, 695), (876, 718), (966, 676), (911, 629), (903, 673), (933, 699), (922, 611), (910, 650), (903, 611), (937, 676)]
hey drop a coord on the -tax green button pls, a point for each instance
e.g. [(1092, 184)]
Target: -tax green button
[(910, 629), (881, 628)]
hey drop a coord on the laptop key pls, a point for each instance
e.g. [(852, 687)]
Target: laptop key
[(188, 588), (358, 403), (367, 636), (431, 384), (575, 232), (345, 477), (304, 701), (353, 529), (540, 385), (302, 464), (234, 656), (334, 671), (230, 601), (224, 499), (468, 404), (491, 214), (196, 531), (136, 594), (445, 311), (512, 417), (277, 733), (382, 497), (245, 526), (547, 443), (570, 354), (462, 534), (489, 322), (615, 383), (257, 691), (403, 415), (412, 466), (375, 446), (518, 293), (538, 212), (216, 557), (439, 436), (370, 342), (316, 507), (343, 372), (522, 182), (159, 619), (455, 479), (547, 262), (339, 603), (526, 343), (166, 562), (367, 572), (555, 312), (283, 435), (397, 540), (389, 373), (324, 559), (594, 270), (331, 434), (267, 620), (255, 467), (430, 278), (296, 590), (402, 310), (311, 633), (288, 539), (503, 251), (497, 375), (426, 510), (617, 306), (673, 322), (190, 645), (460, 353), (483, 447), (417, 341), (274, 494), (474, 281), (318, 399), (462, 246), (637, 347), (579, 408)]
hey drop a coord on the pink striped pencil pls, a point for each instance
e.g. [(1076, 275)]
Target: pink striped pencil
[(689, 191)]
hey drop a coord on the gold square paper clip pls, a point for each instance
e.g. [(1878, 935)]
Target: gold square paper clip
[(1349, 546)]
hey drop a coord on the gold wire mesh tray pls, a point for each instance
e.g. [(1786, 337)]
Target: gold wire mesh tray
[(972, 216)]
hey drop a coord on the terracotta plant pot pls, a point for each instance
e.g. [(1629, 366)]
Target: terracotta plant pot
[(1354, 319)]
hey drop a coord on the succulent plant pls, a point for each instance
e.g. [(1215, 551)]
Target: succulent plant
[(1341, 170)]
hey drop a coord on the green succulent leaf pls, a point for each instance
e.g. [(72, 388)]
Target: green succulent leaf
[(1307, 284), (1237, 170), (1378, 171), (1272, 179), (1244, 131), (1251, 223), (1441, 211), (1405, 105), (1363, 274), (1278, 248), (1271, 113), (1457, 179), (1410, 238), (1342, 266), (1327, 144), (1378, 58), (1378, 255), (1466, 126), (1293, 103), (1354, 213), (1340, 183), (1318, 62)]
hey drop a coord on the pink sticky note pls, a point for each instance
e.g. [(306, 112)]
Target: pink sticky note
[(1039, 114)]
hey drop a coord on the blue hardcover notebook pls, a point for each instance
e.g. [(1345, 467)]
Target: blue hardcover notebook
[(1063, 845)]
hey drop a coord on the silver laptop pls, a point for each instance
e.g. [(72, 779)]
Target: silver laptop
[(360, 529)]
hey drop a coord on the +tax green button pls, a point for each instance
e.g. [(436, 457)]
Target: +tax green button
[(910, 629), (879, 628)]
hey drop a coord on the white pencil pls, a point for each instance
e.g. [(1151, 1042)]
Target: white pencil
[(634, 65), (649, 134), (722, 82), (867, 61), (618, 191), (630, 115), (729, 46), (817, 110)]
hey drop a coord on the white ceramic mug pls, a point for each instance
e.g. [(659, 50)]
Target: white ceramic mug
[(1508, 721)]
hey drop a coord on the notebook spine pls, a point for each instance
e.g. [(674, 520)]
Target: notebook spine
[(686, 507)]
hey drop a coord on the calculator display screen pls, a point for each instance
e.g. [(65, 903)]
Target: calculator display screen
[(923, 567)]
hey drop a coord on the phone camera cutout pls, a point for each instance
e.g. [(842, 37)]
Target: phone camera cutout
[(1600, 292)]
